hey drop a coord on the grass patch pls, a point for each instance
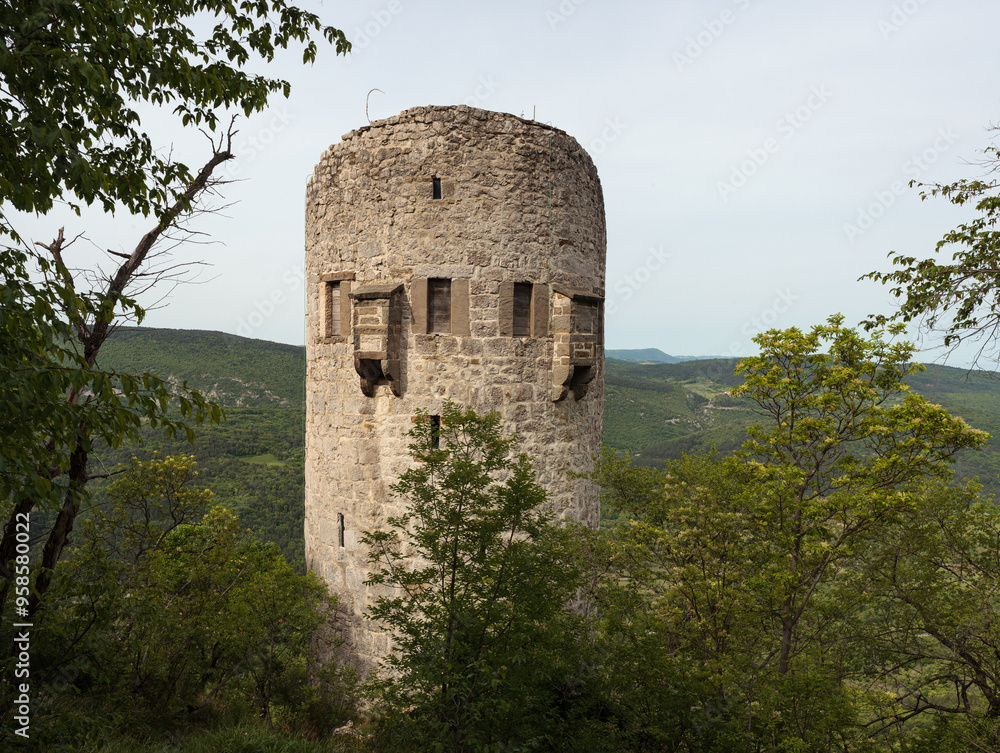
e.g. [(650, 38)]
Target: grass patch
[(266, 459)]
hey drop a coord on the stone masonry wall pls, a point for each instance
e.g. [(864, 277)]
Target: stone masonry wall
[(520, 203)]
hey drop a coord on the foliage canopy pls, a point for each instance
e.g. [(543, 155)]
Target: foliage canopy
[(477, 578), (727, 578), (957, 296), (73, 74), (169, 604), (73, 79)]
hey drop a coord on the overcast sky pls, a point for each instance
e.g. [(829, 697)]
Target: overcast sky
[(754, 154)]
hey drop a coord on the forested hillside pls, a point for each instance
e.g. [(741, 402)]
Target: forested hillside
[(230, 370), (253, 463), (654, 412), (726, 514)]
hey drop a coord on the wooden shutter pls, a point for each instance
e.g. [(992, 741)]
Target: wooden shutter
[(521, 320), (439, 306)]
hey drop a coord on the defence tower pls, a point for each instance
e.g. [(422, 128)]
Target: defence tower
[(451, 253)]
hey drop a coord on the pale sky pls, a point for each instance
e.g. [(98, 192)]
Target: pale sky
[(754, 154)]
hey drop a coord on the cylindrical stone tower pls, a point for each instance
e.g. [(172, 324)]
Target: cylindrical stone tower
[(451, 253)]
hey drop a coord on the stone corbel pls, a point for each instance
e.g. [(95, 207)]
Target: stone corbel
[(578, 338), (575, 378), (377, 323)]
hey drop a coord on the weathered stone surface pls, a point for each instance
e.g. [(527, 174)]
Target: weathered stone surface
[(520, 203)]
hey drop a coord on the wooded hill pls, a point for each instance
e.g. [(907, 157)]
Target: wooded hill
[(230, 370), (254, 462), (656, 412)]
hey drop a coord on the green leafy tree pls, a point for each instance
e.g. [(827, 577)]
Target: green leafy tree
[(171, 606), (847, 446), (73, 76), (725, 577), (677, 599), (932, 584), (957, 296), (476, 580), (686, 605), (55, 407), (75, 73)]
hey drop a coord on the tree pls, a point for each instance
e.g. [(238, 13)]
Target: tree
[(847, 446), (72, 74), (72, 77), (55, 406), (932, 586), (678, 600), (734, 566), (169, 604), (959, 297), (477, 579)]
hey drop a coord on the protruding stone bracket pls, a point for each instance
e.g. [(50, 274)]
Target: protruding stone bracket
[(577, 340), (377, 324)]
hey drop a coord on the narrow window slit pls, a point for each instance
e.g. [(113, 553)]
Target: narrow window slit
[(340, 525), (436, 188), (435, 432)]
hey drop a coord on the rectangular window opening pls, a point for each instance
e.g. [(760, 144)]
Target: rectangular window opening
[(435, 432), (331, 313), (340, 525), (522, 309), (439, 306), (436, 188)]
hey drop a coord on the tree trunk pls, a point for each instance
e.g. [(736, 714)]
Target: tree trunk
[(60, 532), (8, 547)]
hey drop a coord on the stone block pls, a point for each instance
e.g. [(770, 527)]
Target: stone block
[(460, 307)]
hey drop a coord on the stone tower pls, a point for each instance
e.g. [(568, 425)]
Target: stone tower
[(451, 253)]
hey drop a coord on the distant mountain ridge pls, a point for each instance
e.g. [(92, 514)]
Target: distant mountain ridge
[(652, 355)]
